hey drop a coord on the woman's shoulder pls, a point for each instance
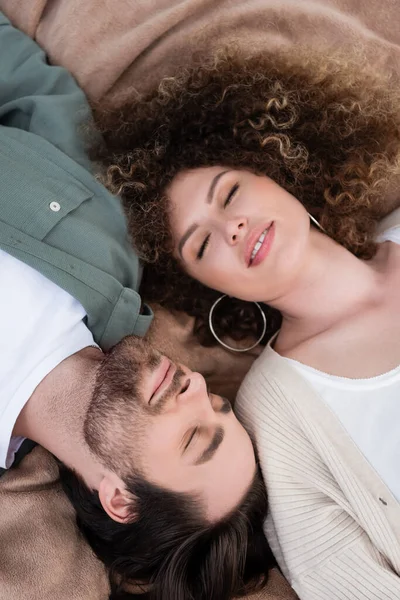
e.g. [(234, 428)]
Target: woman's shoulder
[(270, 369), (270, 391), (264, 370)]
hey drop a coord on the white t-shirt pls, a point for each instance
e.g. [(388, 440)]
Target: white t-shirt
[(40, 326), (369, 409)]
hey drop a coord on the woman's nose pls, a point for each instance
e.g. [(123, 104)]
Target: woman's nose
[(235, 229)]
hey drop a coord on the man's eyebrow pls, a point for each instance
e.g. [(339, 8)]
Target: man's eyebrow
[(212, 448), (213, 185), (209, 199)]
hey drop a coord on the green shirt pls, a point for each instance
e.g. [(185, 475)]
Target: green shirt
[(54, 215)]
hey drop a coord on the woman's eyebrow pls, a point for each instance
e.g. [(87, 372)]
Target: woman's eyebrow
[(185, 237), (213, 185), (209, 199)]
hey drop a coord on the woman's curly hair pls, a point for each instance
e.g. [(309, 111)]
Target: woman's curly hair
[(326, 130)]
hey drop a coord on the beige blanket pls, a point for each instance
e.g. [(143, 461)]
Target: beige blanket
[(110, 45), (42, 555)]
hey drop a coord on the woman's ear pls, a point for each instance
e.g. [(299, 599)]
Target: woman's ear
[(115, 499)]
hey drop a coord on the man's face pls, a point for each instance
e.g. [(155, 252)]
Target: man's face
[(180, 436)]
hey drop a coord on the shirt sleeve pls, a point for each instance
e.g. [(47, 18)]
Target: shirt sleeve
[(357, 572), (41, 325), (40, 98), (314, 533)]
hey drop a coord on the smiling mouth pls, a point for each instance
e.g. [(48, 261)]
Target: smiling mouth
[(259, 243)]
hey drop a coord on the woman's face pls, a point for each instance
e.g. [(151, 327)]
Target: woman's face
[(238, 233)]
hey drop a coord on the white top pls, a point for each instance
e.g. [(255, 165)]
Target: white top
[(40, 326), (333, 524), (369, 409)]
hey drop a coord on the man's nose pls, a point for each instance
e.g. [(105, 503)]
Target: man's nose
[(193, 384), (235, 229), (194, 390)]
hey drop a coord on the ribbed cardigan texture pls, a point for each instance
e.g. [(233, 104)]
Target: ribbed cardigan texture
[(333, 525)]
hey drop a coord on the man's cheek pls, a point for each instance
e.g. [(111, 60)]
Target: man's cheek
[(162, 436)]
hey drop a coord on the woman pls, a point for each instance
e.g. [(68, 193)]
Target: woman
[(221, 171)]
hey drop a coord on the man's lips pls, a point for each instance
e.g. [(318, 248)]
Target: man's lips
[(252, 240), (162, 378)]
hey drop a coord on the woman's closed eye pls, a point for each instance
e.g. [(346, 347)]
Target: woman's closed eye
[(231, 194), (206, 241), (203, 247)]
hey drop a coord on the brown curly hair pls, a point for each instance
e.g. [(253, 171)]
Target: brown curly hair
[(325, 129)]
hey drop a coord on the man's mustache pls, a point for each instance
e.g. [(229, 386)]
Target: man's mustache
[(177, 383)]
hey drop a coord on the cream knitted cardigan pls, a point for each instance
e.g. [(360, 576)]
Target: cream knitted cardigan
[(333, 525)]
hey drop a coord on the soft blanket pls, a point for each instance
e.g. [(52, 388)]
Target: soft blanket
[(42, 554), (111, 46)]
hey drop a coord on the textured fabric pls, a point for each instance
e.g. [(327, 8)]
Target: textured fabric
[(389, 228), (112, 44), (42, 554), (24, 449), (334, 526), (369, 410), (54, 215), (41, 325)]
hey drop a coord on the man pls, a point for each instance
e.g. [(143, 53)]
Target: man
[(161, 473)]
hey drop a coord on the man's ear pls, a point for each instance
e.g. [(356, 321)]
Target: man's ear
[(115, 499)]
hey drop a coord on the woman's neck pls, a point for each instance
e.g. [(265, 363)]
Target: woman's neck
[(333, 285)]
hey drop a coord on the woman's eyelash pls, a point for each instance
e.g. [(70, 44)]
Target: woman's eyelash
[(203, 247), (191, 438), (232, 192)]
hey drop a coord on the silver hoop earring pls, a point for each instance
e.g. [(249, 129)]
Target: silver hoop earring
[(314, 220), (264, 320)]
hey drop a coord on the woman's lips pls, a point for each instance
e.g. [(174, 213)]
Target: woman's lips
[(163, 378), (265, 247)]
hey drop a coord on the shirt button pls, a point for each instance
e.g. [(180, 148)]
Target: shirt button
[(54, 206)]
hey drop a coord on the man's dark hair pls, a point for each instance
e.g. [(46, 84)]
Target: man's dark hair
[(169, 549)]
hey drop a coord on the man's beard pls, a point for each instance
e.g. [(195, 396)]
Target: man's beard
[(117, 414), (141, 359)]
